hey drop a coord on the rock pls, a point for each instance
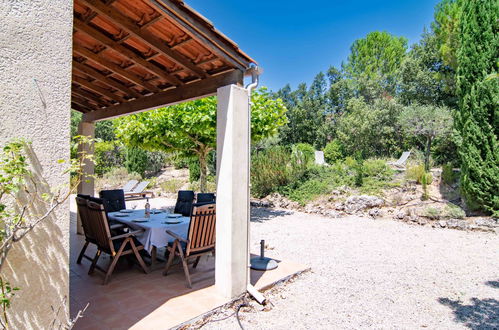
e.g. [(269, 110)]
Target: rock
[(339, 206), (442, 223), (486, 222), (261, 203), (375, 212), (332, 214), (354, 204), (400, 215), (463, 224), (414, 218), (457, 224)]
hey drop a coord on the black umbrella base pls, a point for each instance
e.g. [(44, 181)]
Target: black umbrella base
[(259, 263)]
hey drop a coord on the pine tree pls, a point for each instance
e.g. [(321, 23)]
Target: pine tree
[(477, 120)]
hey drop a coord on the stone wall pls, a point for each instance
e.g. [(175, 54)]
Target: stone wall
[(35, 82)]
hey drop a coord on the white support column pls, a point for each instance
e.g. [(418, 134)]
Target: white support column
[(231, 267), (86, 185)]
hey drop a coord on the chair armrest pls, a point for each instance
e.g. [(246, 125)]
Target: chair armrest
[(132, 233), (118, 226), (176, 236)]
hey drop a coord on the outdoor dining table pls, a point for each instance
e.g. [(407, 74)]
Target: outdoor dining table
[(154, 229)]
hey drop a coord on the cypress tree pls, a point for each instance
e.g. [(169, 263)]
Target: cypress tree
[(477, 121)]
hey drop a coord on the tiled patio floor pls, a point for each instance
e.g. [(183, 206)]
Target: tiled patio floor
[(136, 300)]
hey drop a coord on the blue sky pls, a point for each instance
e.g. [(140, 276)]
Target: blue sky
[(293, 41)]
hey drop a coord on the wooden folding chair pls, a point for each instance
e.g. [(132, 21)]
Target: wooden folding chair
[(200, 239), (115, 246), (81, 203)]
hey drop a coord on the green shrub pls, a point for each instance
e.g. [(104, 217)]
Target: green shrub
[(155, 161), (171, 186), (153, 182), (333, 152), (304, 152), (270, 169), (309, 190), (426, 179), (144, 162), (211, 186), (454, 212), (377, 168), (107, 155), (136, 160), (415, 172), (350, 162), (194, 170), (359, 174), (448, 175), (180, 162), (432, 213), (318, 180)]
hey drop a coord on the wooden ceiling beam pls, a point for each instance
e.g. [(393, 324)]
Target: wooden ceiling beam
[(96, 98), (99, 36), (89, 71), (200, 33), (97, 89), (114, 67), (129, 25), (83, 102), (79, 108), (199, 89)]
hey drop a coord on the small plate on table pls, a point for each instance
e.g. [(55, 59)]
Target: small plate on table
[(126, 211), (140, 220), (172, 221), (121, 215), (174, 215)]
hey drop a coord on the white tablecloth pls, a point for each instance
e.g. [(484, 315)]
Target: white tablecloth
[(155, 229)]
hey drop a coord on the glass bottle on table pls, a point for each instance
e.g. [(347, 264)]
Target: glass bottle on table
[(148, 209)]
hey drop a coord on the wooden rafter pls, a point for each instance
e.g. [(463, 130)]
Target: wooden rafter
[(96, 98), (89, 71), (200, 33), (108, 42), (187, 92), (83, 102), (129, 25), (114, 68), (97, 89), (79, 108)]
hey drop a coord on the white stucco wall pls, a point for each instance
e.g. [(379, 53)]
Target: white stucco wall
[(35, 44)]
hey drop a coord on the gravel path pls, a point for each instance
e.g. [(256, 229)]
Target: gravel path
[(375, 274)]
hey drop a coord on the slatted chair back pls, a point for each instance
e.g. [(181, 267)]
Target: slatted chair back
[(184, 202), (81, 203), (202, 229), (205, 198), (114, 200), (99, 225)]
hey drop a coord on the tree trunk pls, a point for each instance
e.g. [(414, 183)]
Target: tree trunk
[(427, 154), (203, 164)]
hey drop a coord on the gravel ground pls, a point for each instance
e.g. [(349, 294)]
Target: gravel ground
[(375, 274)]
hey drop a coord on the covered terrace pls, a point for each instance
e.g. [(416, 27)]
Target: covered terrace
[(137, 55)]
